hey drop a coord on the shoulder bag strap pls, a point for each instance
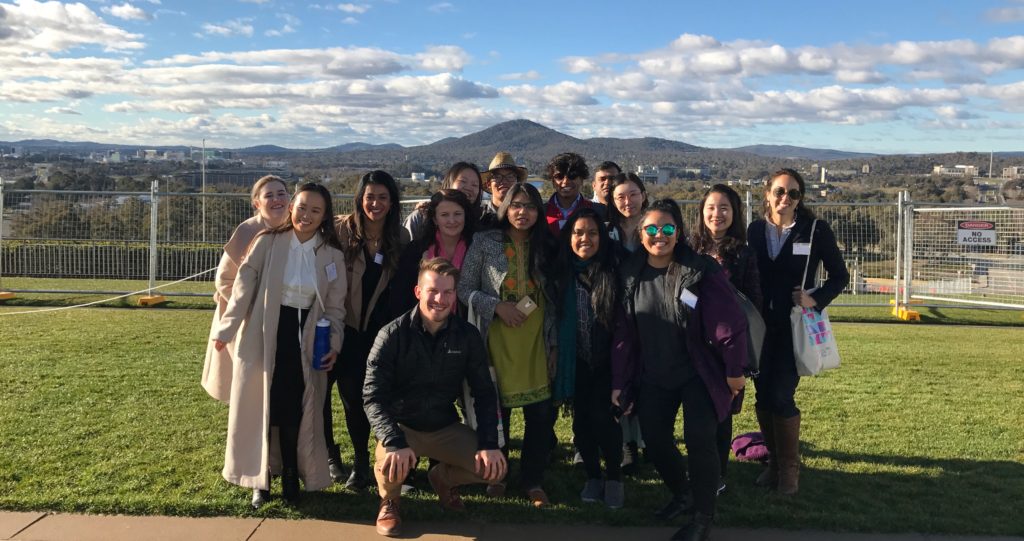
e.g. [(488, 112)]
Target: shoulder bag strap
[(810, 245)]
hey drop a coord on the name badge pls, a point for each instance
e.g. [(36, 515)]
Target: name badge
[(801, 248), (379, 258), (332, 272), (688, 298)]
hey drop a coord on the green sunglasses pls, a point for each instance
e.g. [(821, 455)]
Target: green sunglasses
[(667, 229)]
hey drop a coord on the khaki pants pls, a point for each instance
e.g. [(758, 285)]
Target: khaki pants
[(454, 446)]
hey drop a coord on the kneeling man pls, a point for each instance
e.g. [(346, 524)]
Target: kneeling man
[(414, 374)]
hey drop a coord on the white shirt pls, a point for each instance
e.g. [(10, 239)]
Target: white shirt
[(299, 290), (777, 239)]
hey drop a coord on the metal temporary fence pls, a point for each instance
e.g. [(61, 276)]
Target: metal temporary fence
[(964, 256), (111, 240), (115, 242)]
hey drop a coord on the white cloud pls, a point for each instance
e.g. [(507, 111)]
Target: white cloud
[(350, 20), (31, 27), (291, 23), (62, 111), (442, 7), (531, 75), (1013, 14), (354, 8), (234, 27), (443, 58), (127, 12)]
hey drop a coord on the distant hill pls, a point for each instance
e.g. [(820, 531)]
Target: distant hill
[(264, 149), (347, 147), (791, 152)]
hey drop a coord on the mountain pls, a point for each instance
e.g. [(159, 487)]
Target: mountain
[(348, 147), (792, 152), (264, 149)]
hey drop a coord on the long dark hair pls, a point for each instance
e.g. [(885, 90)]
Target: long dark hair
[(391, 235), (540, 237), (430, 228), (801, 208), (326, 229), (453, 172), (599, 276), (615, 217), (671, 208), (735, 236)]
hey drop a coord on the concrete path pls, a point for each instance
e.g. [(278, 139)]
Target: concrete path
[(65, 527)]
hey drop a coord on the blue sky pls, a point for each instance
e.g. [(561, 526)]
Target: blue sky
[(896, 76)]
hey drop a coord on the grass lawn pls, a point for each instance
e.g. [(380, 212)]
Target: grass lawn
[(920, 430)]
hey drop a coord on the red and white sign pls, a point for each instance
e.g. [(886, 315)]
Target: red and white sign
[(976, 233)]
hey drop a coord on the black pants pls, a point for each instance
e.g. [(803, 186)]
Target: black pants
[(537, 435), (349, 373), (594, 429), (776, 384), (286, 384), (657, 408)]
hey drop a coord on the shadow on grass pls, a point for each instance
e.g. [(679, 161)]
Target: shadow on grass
[(838, 492)]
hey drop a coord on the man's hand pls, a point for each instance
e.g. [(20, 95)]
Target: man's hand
[(491, 464), (616, 400), (396, 464), (736, 384), (218, 344)]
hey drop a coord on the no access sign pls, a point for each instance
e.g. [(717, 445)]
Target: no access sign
[(976, 233)]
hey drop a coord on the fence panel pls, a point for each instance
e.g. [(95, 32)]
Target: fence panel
[(103, 236), (947, 269)]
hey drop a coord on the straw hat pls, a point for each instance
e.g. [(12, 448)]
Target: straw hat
[(502, 160)]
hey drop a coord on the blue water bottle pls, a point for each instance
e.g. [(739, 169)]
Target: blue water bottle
[(321, 342)]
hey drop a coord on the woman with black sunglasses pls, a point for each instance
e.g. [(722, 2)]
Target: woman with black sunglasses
[(689, 350), (782, 242)]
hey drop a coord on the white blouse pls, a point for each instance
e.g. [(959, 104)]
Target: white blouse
[(299, 289)]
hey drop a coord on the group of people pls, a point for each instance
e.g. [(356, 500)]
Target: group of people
[(603, 306)]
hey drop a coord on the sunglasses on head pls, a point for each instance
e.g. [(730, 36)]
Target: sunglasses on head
[(667, 229), (794, 193)]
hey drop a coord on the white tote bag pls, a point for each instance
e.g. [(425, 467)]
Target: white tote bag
[(814, 345)]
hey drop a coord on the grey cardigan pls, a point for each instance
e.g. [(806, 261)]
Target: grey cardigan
[(483, 271)]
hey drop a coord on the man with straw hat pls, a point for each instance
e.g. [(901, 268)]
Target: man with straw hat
[(496, 180)]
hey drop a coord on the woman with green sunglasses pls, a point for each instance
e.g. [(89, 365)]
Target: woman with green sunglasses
[(783, 245), (689, 350)]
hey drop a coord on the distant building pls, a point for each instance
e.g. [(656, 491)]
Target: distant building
[(866, 169), (964, 171), (276, 164), (112, 156), (1013, 173), (652, 174), (418, 177), (698, 172), (174, 155)]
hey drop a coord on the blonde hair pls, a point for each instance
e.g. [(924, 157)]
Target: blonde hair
[(263, 181)]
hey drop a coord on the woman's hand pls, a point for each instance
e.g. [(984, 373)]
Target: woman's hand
[(218, 344), (736, 384), (803, 299), (327, 362), (509, 314), (616, 400)]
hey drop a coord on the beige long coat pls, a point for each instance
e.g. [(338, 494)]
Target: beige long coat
[(251, 316), (354, 316), (217, 366)]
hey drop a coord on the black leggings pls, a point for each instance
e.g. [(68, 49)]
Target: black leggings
[(777, 382), (657, 409), (349, 373), (539, 430), (594, 428)]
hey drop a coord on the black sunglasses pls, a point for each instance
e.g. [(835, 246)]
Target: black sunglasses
[(794, 194)]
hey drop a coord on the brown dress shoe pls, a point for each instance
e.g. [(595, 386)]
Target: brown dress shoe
[(447, 495), (388, 522), (538, 498)]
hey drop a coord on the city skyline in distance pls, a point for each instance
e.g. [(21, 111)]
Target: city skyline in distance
[(880, 78)]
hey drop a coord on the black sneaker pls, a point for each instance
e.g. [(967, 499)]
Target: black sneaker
[(674, 508)]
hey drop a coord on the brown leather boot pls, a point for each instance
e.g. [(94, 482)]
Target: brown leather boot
[(787, 440), (389, 523), (770, 476)]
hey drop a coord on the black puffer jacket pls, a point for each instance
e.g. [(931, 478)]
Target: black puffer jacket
[(413, 378)]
